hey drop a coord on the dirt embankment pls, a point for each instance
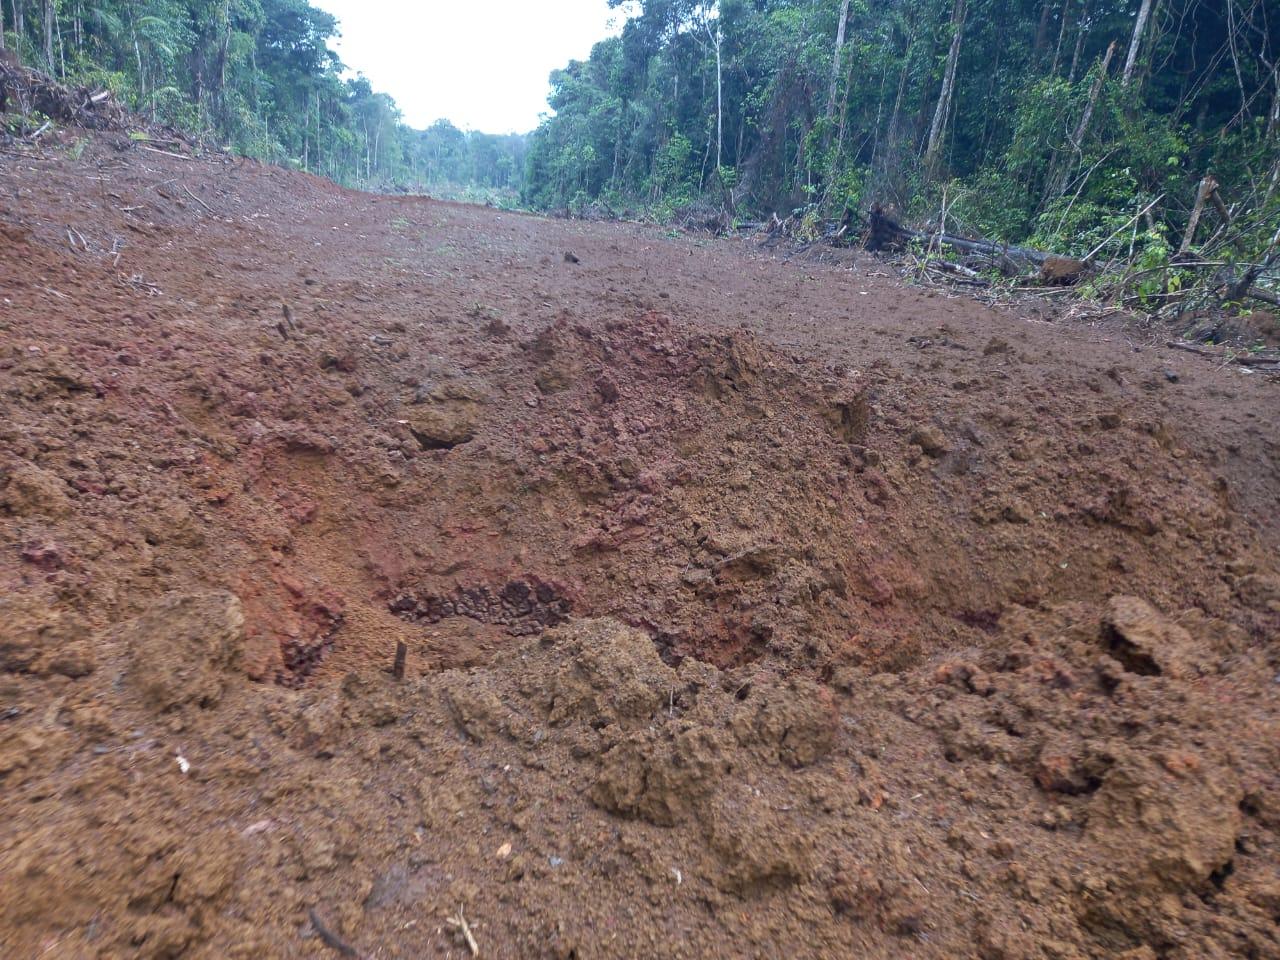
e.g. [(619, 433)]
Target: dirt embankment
[(752, 609)]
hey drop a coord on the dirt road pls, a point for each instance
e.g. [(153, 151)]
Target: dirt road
[(752, 608)]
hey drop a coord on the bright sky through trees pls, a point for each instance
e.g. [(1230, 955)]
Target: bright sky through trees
[(482, 64)]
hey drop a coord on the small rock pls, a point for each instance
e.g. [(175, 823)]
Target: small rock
[(607, 388)]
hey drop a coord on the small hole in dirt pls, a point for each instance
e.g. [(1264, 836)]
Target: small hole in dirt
[(1218, 879), (1249, 805), (742, 692), (431, 442), (988, 621)]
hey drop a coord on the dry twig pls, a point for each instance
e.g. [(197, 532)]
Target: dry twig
[(459, 922)]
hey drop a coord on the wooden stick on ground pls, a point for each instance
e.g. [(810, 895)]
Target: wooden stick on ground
[(197, 199), (460, 921), (167, 153), (330, 938), (1243, 359)]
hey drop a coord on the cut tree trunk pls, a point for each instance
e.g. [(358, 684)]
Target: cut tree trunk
[(1207, 186)]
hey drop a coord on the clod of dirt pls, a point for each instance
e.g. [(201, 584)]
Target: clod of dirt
[(1069, 767), (26, 489), (850, 416), (660, 777), (442, 427), (184, 649), (1144, 641), (1169, 829), (1261, 591), (795, 722), (524, 606), (931, 440), (607, 673), (39, 641), (757, 851)]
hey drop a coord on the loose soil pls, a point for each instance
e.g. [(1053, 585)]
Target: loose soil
[(752, 608)]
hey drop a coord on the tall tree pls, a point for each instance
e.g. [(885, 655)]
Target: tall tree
[(1135, 44), (937, 129)]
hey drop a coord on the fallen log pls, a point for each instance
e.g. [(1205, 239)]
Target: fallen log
[(886, 233)]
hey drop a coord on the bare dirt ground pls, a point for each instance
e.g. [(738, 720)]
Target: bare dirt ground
[(752, 608)]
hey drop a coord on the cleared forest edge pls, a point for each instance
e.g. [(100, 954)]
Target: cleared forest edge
[(749, 607)]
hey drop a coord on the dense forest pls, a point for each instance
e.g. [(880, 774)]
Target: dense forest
[(1148, 129), (258, 76), (1052, 121)]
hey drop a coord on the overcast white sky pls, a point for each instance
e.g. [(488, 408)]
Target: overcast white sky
[(481, 63)]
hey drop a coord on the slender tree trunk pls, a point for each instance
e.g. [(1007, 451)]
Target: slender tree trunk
[(1, 26), (1058, 184), (1062, 32), (62, 52), (937, 129), (719, 41), (1080, 34), (1139, 28), (18, 27), (1207, 186), (1042, 29), (835, 59), (892, 135), (47, 19)]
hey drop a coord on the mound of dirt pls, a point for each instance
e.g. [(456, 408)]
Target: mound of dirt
[(747, 611)]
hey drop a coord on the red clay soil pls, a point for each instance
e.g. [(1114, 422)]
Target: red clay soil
[(752, 608)]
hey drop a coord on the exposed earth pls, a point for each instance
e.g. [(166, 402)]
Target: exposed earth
[(752, 607)]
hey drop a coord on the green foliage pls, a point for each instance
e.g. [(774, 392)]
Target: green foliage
[(259, 76), (805, 126)]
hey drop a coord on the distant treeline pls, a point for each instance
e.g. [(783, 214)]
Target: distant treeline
[(258, 76), (1054, 121)]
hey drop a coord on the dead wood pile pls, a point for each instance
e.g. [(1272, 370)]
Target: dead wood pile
[(27, 91)]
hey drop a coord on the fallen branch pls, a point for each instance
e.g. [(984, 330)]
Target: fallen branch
[(197, 199), (167, 153), (1127, 224), (1242, 359)]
